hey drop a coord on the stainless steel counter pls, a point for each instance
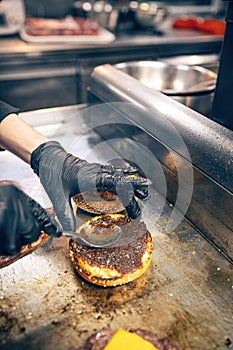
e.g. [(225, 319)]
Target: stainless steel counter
[(35, 76), (186, 294), (195, 152), (206, 43)]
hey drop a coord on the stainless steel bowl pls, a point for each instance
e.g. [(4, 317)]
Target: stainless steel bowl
[(150, 14), (210, 61), (101, 11), (191, 85)]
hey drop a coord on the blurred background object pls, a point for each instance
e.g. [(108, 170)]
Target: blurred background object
[(123, 14), (103, 12), (48, 9), (150, 14), (12, 16)]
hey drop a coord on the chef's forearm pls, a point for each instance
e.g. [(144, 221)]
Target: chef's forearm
[(19, 137)]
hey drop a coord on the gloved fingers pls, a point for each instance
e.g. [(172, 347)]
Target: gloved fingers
[(138, 182), (64, 212), (142, 193), (118, 170), (29, 231), (106, 182), (10, 246), (19, 227), (9, 215), (133, 208), (126, 187), (21, 219), (140, 185), (28, 227), (10, 238), (44, 220), (126, 196)]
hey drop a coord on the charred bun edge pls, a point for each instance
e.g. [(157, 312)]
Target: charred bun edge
[(25, 250)]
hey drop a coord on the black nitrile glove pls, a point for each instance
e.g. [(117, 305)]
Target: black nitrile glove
[(21, 219), (63, 176)]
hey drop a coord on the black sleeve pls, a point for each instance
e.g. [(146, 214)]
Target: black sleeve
[(6, 109)]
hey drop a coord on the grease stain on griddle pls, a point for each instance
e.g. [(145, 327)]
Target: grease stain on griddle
[(118, 295)]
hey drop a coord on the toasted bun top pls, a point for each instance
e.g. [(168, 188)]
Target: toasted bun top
[(125, 255), (101, 202)]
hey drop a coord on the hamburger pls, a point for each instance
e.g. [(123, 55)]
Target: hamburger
[(134, 339), (119, 263)]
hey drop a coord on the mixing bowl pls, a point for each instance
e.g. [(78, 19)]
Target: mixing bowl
[(191, 85)]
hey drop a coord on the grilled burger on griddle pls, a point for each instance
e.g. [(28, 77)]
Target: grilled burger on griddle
[(108, 339), (120, 263)]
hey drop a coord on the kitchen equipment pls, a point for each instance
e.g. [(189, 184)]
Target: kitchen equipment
[(223, 99), (210, 61), (199, 173), (150, 15), (171, 79), (12, 16), (103, 12), (187, 292), (181, 7), (85, 235), (190, 85)]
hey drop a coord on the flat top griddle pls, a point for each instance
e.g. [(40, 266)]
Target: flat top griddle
[(186, 294)]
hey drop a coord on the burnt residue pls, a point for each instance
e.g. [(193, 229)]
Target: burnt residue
[(178, 296), (6, 322), (183, 322), (188, 330), (219, 275), (107, 299), (228, 342)]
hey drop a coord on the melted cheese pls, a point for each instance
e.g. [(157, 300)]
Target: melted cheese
[(124, 340)]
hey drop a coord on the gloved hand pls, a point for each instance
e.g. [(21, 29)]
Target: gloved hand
[(63, 176), (21, 219)]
